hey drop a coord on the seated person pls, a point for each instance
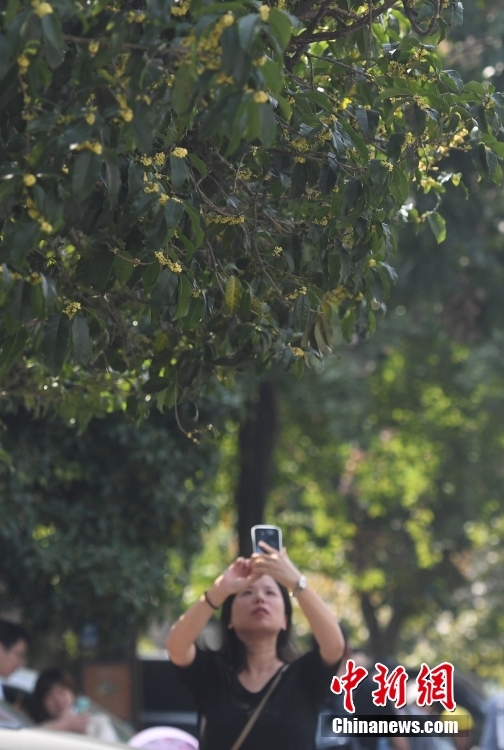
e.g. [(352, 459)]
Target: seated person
[(55, 706), (13, 647)]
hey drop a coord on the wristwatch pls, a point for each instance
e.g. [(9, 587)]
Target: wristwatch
[(300, 586)]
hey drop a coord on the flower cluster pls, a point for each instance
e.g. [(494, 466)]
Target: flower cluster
[(33, 213), (181, 9), (297, 351), (294, 295), (72, 309), (180, 153), (93, 146), (240, 219), (125, 111), (42, 9), (173, 265)]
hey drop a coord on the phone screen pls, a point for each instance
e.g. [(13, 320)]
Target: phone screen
[(268, 534)]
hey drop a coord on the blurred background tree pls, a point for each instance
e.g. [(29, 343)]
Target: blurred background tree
[(389, 482)]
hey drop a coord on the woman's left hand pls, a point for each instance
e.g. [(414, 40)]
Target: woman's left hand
[(275, 564)]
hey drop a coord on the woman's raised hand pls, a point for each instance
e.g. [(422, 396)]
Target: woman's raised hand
[(238, 576), (275, 564)]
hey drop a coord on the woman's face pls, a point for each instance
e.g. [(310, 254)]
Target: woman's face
[(58, 700), (259, 608)]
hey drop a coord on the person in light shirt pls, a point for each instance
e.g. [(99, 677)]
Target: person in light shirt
[(13, 648)]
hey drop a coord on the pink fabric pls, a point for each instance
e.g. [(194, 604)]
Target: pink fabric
[(164, 738)]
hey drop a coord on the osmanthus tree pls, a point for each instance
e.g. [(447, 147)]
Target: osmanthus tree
[(190, 189)]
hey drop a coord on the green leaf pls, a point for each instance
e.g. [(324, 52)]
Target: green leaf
[(100, 266), (113, 176), (20, 239), (301, 313), (233, 294), (81, 340), (179, 171), (281, 24), (268, 125), (299, 179), (185, 293), (194, 313), (348, 325), (351, 195), (85, 173), (183, 88), (123, 266), (173, 212), (11, 347), (195, 223), (327, 179), (199, 164), (54, 344), (438, 226), (164, 288), (248, 26)]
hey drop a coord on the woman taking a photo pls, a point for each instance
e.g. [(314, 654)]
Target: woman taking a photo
[(253, 694)]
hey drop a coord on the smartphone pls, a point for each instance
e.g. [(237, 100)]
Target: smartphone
[(272, 535)]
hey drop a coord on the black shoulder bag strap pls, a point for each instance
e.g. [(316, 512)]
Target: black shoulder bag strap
[(250, 723)]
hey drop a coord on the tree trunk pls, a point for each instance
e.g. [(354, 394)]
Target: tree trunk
[(382, 641), (256, 442)]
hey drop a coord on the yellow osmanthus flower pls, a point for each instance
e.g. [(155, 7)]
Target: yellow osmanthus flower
[(23, 62), (260, 61), (372, 263), (72, 309), (299, 159), (181, 9), (294, 295), (146, 161), (197, 293), (174, 266), (65, 170), (159, 159), (228, 219), (153, 188), (93, 146), (300, 144), (34, 278), (164, 199), (42, 9), (227, 19), (261, 97), (45, 226), (93, 48), (297, 351), (278, 250), (179, 153), (136, 17), (264, 12), (336, 296), (223, 78), (90, 118), (29, 180)]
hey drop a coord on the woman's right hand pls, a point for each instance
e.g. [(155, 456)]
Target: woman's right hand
[(74, 723), (237, 577)]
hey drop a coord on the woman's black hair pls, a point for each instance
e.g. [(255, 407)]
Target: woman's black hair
[(233, 649), (46, 681)]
